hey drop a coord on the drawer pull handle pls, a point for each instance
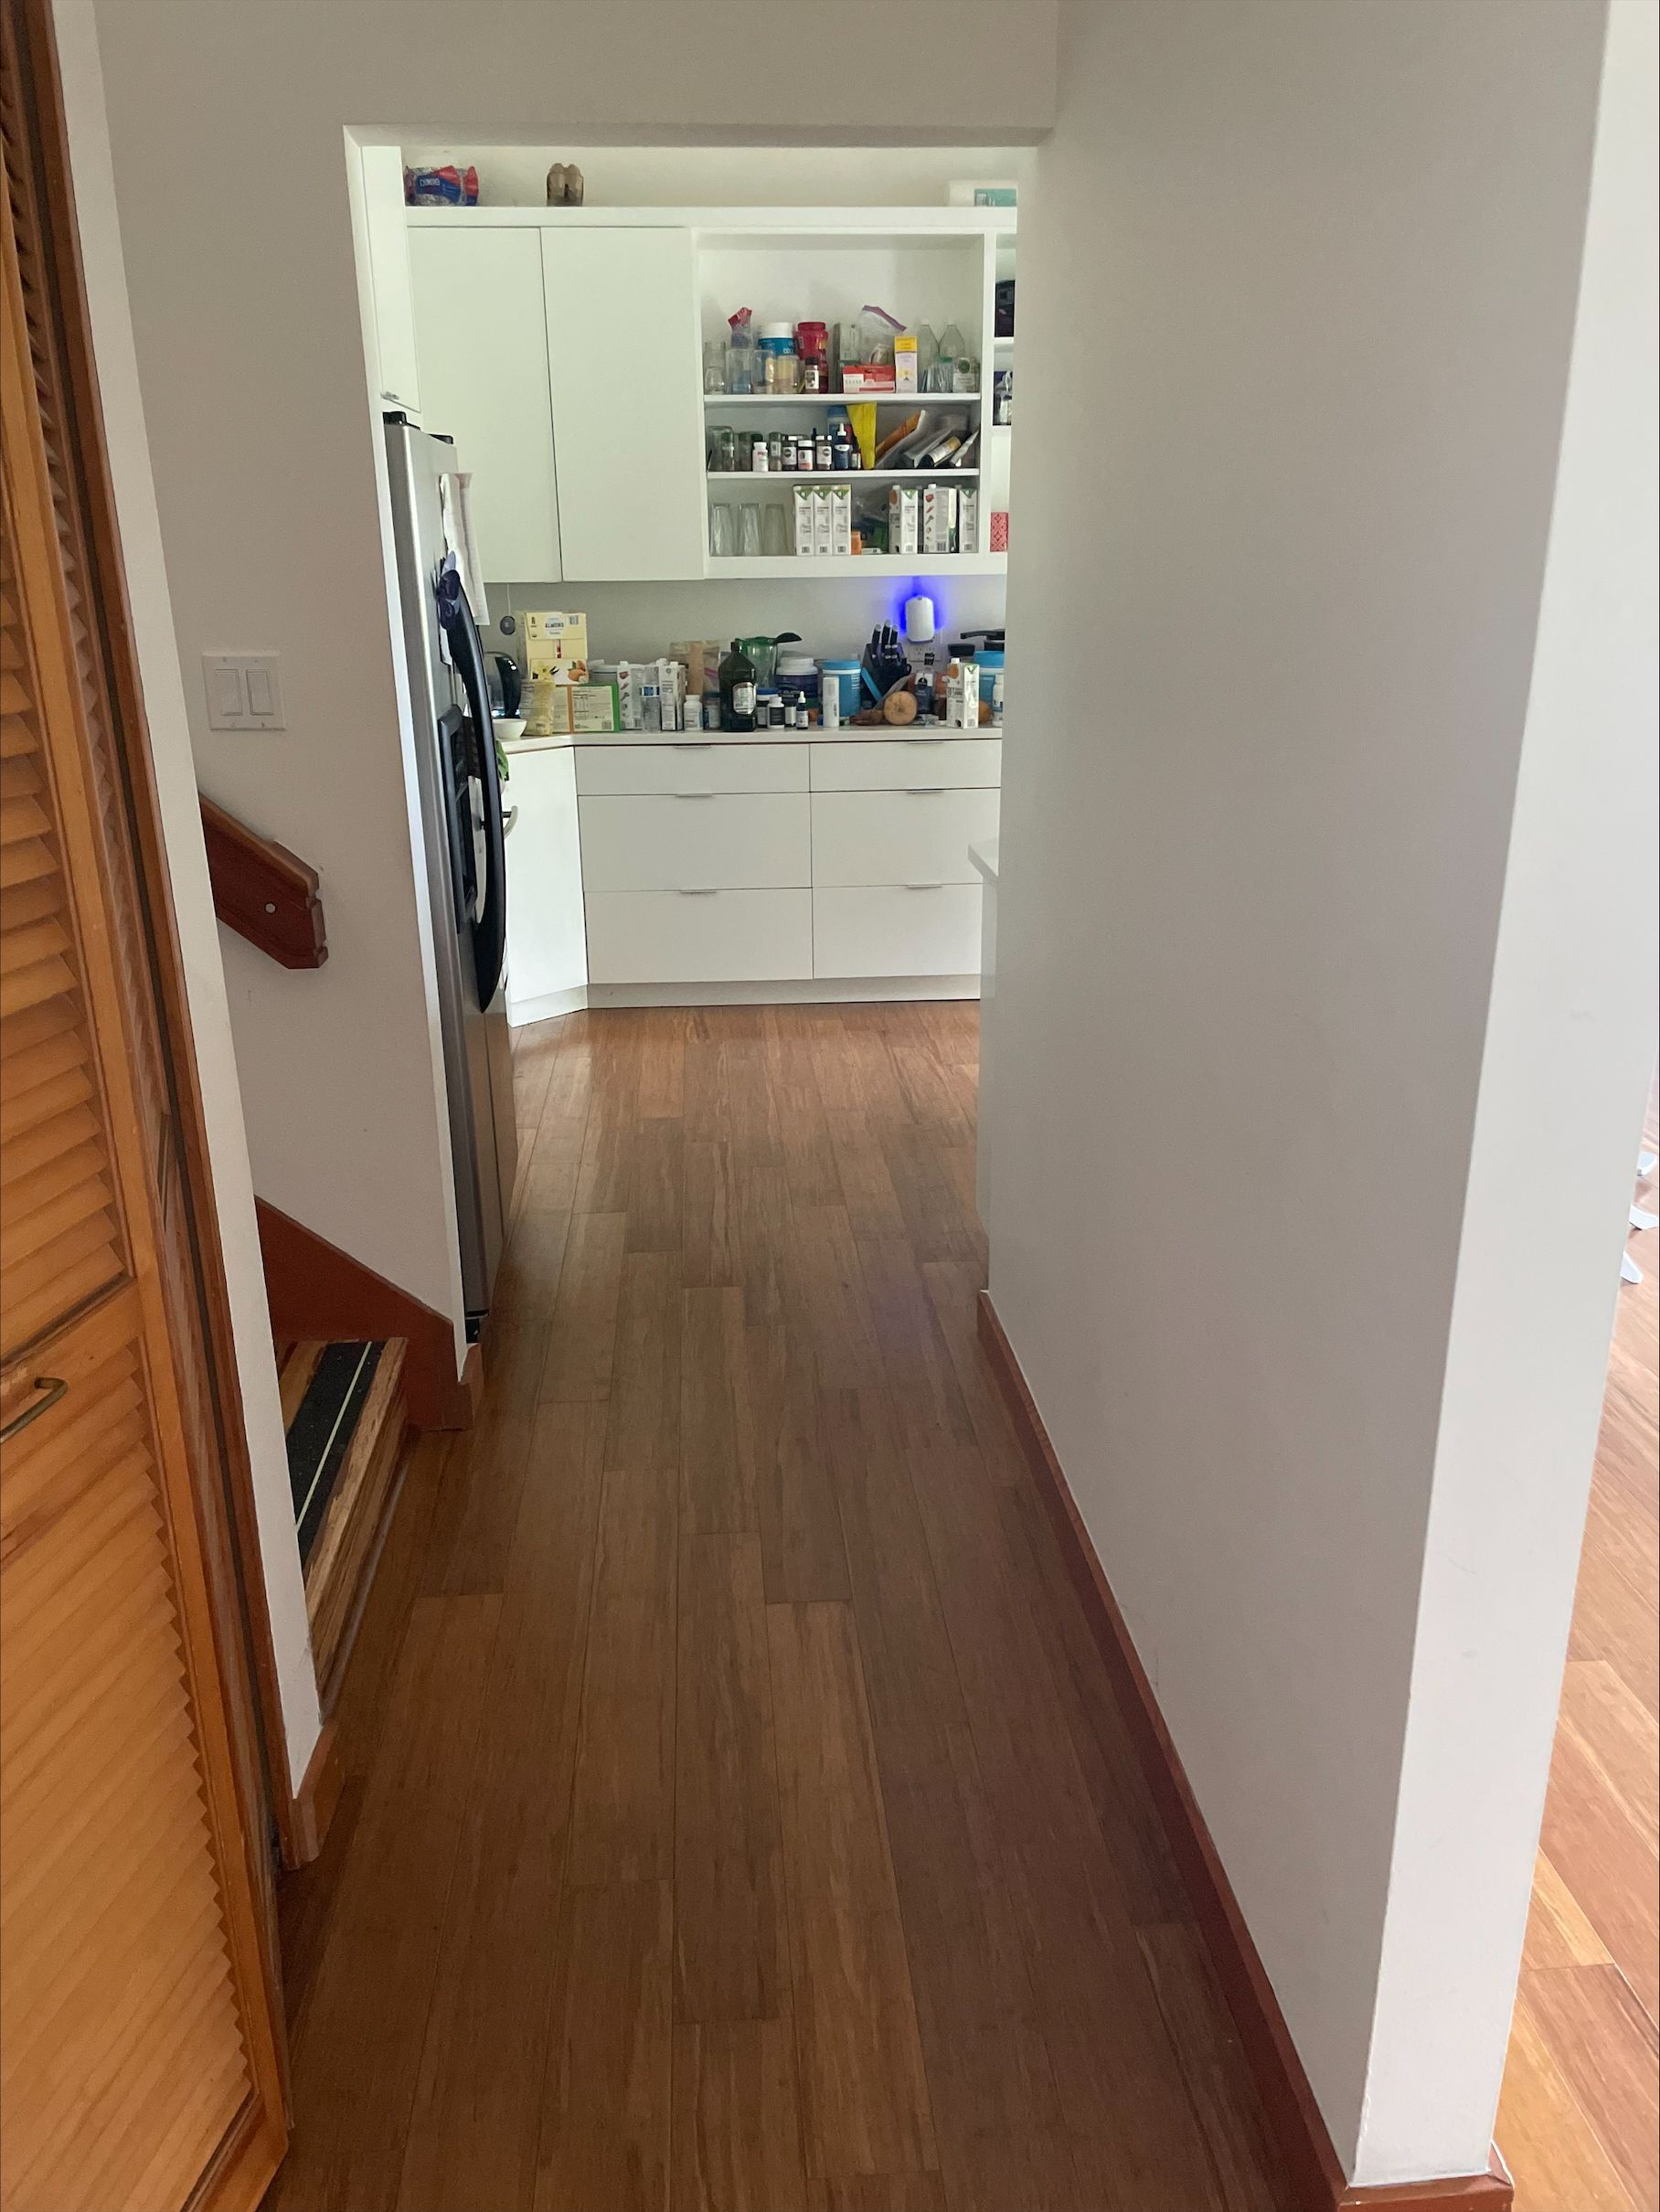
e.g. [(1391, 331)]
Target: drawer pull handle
[(924, 887), (924, 740), (51, 1387), (925, 791), (691, 749), (694, 794), (706, 890)]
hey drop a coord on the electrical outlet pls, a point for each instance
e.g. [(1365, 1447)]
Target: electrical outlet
[(244, 691)]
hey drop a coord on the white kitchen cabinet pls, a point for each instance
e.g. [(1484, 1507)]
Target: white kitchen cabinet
[(919, 836), (481, 341), (897, 929), (906, 763), (699, 937), (688, 765), (697, 842), (546, 951), (623, 354), (396, 372)]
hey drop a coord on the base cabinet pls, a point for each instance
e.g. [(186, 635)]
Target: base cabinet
[(546, 951), (897, 929), (699, 937), (711, 862)]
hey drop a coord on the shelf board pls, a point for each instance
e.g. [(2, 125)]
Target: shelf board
[(841, 399), (944, 474), (806, 568)]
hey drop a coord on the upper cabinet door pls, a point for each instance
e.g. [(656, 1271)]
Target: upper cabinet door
[(482, 344), (398, 375), (622, 353)]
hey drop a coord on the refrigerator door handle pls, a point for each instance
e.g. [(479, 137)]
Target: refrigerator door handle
[(490, 931)]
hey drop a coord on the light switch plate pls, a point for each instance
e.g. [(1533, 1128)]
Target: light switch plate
[(244, 691)]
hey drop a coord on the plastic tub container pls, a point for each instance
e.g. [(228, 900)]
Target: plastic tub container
[(844, 675)]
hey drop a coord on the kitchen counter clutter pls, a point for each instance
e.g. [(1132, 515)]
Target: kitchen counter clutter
[(652, 866)]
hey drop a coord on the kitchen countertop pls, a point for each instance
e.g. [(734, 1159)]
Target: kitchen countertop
[(928, 733), (985, 858)]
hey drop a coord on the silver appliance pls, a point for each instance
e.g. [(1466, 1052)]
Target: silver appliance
[(464, 834)]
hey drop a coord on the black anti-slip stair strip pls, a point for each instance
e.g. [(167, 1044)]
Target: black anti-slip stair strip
[(320, 1432)]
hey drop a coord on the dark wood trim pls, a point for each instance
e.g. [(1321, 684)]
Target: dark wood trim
[(316, 1291), (1490, 2192), (264, 892), (317, 1796), (1293, 2112), (332, 1674)]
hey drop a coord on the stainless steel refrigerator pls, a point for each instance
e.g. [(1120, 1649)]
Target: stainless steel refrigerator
[(463, 836)]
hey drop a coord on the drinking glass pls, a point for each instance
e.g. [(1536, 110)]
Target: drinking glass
[(775, 533), (720, 530), (714, 365), (748, 529)]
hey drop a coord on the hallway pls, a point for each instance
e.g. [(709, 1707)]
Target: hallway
[(737, 1817)]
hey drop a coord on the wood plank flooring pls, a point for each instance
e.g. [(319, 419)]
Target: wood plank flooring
[(738, 1818), (1579, 2121)]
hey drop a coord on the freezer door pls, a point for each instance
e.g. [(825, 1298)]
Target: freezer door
[(451, 797)]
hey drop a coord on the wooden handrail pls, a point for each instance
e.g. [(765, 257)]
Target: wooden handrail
[(264, 892)]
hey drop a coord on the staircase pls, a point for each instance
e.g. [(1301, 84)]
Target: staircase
[(343, 1408)]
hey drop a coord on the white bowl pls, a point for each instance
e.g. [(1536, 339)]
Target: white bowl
[(509, 726)]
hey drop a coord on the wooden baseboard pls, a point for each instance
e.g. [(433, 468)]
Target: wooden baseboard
[(316, 1291), (315, 1801), (1289, 2100), (1490, 2192)]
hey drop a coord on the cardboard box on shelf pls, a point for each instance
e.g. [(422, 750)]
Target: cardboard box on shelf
[(905, 362), (804, 520), (841, 518), (903, 520), (938, 518)]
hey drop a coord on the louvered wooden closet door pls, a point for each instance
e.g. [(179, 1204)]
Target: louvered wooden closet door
[(139, 2067)]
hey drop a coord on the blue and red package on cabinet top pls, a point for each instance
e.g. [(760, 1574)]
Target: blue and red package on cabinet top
[(445, 187)]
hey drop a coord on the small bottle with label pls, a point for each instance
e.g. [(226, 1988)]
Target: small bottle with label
[(822, 450), (757, 456)]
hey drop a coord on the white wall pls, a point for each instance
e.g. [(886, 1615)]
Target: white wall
[(1287, 539), (229, 132), (1569, 1045), (192, 894)]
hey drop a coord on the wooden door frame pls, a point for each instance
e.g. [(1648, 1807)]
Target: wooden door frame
[(203, 1336)]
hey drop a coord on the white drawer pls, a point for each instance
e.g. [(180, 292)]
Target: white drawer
[(723, 841), (688, 764), (916, 835), (699, 937), (902, 763), (888, 931)]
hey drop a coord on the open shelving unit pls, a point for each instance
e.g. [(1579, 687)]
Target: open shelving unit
[(937, 266)]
